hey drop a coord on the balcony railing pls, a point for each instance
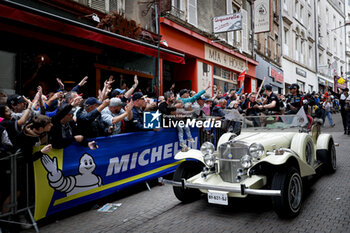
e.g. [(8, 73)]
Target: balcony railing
[(177, 13)]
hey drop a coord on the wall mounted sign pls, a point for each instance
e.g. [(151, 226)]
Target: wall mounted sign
[(227, 23), (262, 16)]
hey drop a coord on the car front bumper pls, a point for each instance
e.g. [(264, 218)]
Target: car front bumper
[(248, 186)]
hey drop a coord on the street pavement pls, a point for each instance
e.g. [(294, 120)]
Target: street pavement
[(326, 208)]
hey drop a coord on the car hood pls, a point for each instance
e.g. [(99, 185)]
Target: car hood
[(267, 139)]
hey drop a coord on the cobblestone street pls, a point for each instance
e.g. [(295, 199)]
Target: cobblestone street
[(326, 208)]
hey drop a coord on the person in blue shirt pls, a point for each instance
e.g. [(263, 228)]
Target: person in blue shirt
[(185, 95)]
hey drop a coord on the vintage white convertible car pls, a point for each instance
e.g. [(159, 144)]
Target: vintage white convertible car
[(270, 157)]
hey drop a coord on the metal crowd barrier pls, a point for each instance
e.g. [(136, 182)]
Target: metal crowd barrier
[(14, 207)]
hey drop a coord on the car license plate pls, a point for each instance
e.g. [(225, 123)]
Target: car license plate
[(217, 197)]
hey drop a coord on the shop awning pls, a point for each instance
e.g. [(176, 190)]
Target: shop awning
[(43, 20)]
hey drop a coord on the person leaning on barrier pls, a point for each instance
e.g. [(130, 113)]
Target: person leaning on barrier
[(218, 109), (115, 114), (271, 103), (137, 112), (64, 130), (34, 134), (14, 127), (89, 119), (169, 100)]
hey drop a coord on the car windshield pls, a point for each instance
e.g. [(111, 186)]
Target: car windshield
[(270, 122)]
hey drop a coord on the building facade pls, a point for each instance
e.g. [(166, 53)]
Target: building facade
[(331, 40), (268, 48), (299, 45)]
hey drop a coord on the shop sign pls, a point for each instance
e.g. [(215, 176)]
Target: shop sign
[(227, 23), (224, 59), (274, 73), (338, 85), (262, 13), (301, 72)]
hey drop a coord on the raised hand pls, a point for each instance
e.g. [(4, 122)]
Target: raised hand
[(83, 81), (136, 81), (60, 83), (208, 86), (50, 165)]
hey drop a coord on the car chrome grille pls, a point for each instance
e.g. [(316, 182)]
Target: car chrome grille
[(229, 160)]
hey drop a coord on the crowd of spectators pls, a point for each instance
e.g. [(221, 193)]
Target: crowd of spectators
[(58, 119)]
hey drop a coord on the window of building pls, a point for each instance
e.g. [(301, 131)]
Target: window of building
[(285, 6), (327, 17), (296, 8), (192, 12), (236, 34), (335, 45), (217, 71), (177, 4), (302, 53), (286, 41), (301, 13)]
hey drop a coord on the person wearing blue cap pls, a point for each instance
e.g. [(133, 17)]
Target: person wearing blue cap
[(89, 118), (122, 93)]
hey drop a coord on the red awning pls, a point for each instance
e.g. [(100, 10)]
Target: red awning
[(76, 29)]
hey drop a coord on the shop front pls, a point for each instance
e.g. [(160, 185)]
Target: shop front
[(324, 84), (206, 61), (39, 46), (273, 75)]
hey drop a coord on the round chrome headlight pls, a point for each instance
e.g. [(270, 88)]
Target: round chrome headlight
[(256, 150), (209, 160), (207, 148), (246, 161)]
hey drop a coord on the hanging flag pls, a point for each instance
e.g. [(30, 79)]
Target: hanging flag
[(241, 76), (240, 89), (341, 81)]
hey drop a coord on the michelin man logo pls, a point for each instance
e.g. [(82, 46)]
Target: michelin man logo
[(151, 120), (70, 185)]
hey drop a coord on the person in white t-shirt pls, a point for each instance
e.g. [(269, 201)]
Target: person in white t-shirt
[(327, 106)]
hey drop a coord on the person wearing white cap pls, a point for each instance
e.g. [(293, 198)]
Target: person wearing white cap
[(114, 114)]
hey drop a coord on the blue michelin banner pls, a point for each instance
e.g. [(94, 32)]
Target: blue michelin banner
[(75, 175)]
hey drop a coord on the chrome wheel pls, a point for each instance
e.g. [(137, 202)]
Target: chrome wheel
[(295, 192)]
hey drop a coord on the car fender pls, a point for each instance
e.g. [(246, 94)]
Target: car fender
[(280, 160), (191, 154), (323, 141), (298, 145), (225, 138)]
